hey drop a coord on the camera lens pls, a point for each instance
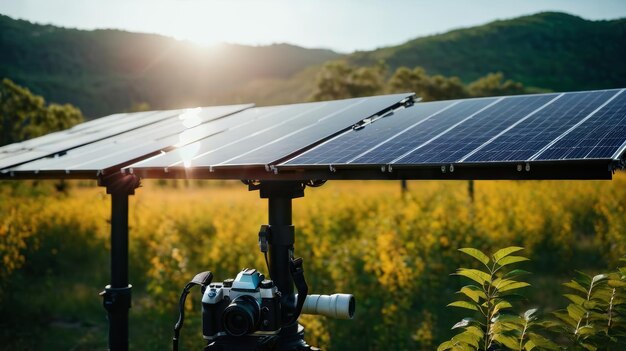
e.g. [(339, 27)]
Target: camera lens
[(242, 316)]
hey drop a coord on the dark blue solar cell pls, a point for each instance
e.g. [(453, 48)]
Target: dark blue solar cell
[(426, 132), (600, 136), (537, 131), (355, 142), (458, 142)]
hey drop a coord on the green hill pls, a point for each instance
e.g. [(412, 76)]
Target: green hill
[(548, 50), (107, 71)]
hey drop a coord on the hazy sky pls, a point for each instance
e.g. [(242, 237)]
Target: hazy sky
[(342, 25)]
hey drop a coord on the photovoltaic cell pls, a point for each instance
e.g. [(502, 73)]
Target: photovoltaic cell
[(531, 135), (353, 143), (471, 134), (600, 136), (425, 133)]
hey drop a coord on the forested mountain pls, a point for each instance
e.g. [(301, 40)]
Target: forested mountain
[(106, 71), (548, 50)]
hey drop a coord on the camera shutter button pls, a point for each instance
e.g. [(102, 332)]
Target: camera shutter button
[(267, 284), (228, 283)]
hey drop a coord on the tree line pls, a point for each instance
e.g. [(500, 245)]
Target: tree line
[(340, 80)]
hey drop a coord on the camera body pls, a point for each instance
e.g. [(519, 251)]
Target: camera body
[(246, 305)]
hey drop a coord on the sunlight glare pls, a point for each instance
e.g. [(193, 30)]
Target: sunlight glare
[(188, 152), (190, 117)]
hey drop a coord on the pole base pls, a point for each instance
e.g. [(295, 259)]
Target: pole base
[(292, 342)]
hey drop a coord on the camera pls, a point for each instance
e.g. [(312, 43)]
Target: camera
[(246, 305)]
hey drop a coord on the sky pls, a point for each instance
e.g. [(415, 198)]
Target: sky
[(340, 25)]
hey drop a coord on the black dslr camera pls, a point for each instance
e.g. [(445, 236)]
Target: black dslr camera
[(246, 305), (249, 313)]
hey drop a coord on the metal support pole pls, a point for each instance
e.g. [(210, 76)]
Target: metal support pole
[(281, 252), (117, 295)]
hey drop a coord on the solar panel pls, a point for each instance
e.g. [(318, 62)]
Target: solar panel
[(180, 128), (579, 125), (354, 142), (59, 142), (276, 133), (404, 139)]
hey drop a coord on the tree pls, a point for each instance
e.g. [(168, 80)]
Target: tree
[(492, 85), (24, 115), (429, 88), (339, 80)]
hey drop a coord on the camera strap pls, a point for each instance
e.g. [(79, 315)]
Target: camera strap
[(203, 279), (297, 274)]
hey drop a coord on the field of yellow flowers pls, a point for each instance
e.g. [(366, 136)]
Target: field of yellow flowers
[(394, 252)]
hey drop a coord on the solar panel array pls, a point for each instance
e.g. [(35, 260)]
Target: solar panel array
[(373, 133)]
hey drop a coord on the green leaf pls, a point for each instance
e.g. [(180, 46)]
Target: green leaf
[(515, 273), (529, 345), (508, 318), (575, 299), (583, 278), (474, 274), (542, 342), (500, 306), (589, 305), (505, 252), (511, 259), (603, 294), (586, 330), (513, 286), (467, 338), (566, 319), (473, 292), (464, 304), (478, 332), (552, 324), (446, 345), (508, 341), (576, 312), (617, 283), (576, 286), (477, 254)]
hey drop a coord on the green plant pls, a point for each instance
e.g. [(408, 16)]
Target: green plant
[(495, 292), (595, 318)]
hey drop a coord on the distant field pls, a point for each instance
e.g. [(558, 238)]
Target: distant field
[(394, 254)]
